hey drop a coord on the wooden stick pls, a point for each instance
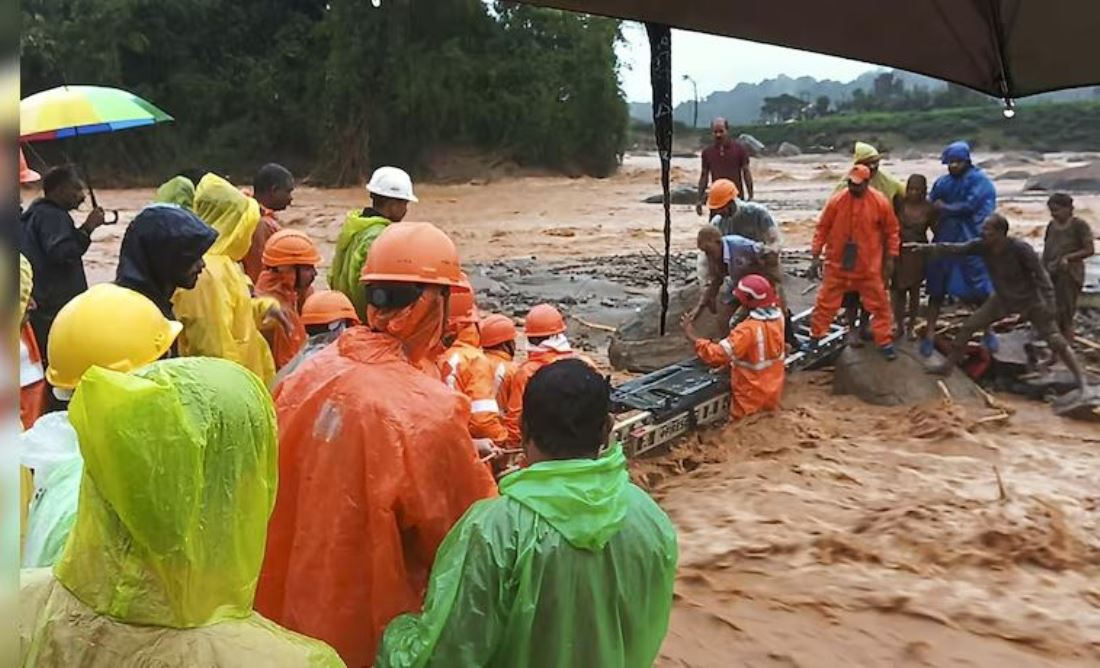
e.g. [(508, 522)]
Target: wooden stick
[(1087, 343), (594, 325), (946, 392), (1003, 495), (810, 288), (994, 418)]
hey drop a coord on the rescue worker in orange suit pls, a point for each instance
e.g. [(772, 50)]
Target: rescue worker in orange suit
[(290, 267), (754, 349), (544, 328), (32, 377), (498, 340), (273, 190), (466, 369), (375, 460), (859, 234), (325, 314)]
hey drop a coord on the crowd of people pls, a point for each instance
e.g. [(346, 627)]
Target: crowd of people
[(872, 254), (225, 466)]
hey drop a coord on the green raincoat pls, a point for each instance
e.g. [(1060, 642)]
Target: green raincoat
[(177, 190), (160, 569), (572, 566), (356, 237)]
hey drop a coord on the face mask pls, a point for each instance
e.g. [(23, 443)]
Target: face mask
[(419, 325)]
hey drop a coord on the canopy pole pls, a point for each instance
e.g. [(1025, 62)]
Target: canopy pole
[(660, 77)]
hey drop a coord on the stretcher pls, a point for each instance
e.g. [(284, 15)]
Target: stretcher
[(661, 406)]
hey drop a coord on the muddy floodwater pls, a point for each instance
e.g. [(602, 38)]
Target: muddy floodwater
[(833, 533)]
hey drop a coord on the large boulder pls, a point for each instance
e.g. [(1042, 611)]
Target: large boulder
[(638, 347), (866, 374), (1085, 178), (788, 150), (681, 195), (753, 145)]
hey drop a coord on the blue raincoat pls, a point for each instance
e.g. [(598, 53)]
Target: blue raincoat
[(968, 200)]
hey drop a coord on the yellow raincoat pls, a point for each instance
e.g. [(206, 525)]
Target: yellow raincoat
[(884, 182), (220, 317), (161, 566)]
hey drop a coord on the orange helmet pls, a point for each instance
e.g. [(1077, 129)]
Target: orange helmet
[(497, 329), (286, 248), (542, 321), (414, 253), (755, 291), (461, 307), (722, 192), (325, 306), (26, 174)]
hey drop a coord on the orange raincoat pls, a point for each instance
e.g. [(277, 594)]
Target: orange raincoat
[(870, 223), (536, 359), (32, 383), (375, 466), (504, 377), (465, 368), (754, 350), (280, 285)]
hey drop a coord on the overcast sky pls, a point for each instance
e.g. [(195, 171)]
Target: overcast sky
[(720, 63)]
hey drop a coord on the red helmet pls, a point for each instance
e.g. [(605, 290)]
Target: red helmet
[(543, 320), (755, 291)]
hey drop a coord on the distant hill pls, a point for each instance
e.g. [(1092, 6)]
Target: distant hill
[(742, 104)]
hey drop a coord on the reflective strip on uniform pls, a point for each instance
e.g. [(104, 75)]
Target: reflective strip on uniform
[(498, 377), (761, 355), (727, 347), (484, 406), (452, 371)]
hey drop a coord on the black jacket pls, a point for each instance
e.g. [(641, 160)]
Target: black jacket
[(159, 247), (55, 248)]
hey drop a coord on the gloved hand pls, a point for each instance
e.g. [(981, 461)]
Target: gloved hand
[(815, 269)]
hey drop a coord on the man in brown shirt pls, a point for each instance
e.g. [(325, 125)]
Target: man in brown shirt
[(1020, 285), (724, 159), (272, 188), (1068, 242)]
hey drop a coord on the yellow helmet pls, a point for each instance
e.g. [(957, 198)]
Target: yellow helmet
[(110, 327)]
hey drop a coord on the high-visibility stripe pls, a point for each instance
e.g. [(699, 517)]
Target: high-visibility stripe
[(30, 369), (498, 377), (452, 371), (484, 406), (727, 347)]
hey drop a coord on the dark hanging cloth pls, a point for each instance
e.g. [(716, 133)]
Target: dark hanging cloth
[(660, 74)]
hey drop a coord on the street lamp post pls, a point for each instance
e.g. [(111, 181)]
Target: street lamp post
[(695, 98)]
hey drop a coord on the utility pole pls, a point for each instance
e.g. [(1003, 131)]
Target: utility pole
[(695, 98)]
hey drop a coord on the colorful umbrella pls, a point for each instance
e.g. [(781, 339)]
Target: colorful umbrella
[(71, 111), (74, 111)]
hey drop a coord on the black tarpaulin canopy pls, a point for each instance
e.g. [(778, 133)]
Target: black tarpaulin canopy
[(1006, 48)]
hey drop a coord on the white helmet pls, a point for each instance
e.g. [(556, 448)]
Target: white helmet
[(392, 182)]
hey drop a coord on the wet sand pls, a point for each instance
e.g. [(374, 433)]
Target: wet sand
[(834, 533)]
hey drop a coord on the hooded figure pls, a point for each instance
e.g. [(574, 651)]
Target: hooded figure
[(178, 190), (161, 252), (220, 317), (375, 460), (573, 565), (160, 568), (966, 198)]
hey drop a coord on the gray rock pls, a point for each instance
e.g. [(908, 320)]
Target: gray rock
[(753, 145), (911, 154), (866, 374), (1085, 178), (637, 347), (788, 150), (1014, 174), (681, 195)]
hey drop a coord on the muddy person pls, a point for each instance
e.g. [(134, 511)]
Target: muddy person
[(391, 191), (917, 216), (273, 189), (858, 231), (1068, 242), (724, 159), (1020, 286), (573, 565), (963, 198)]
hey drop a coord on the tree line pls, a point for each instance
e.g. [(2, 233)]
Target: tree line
[(333, 88)]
